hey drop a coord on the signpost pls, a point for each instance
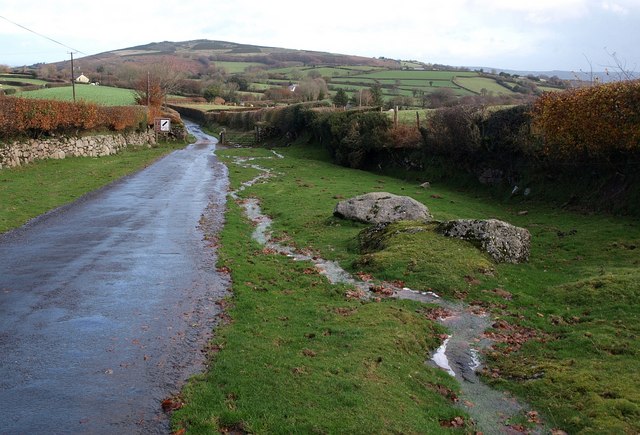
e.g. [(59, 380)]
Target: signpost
[(161, 125)]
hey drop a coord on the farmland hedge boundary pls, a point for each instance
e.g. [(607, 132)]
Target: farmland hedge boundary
[(35, 118), (579, 147)]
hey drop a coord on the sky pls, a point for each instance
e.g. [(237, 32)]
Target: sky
[(524, 35)]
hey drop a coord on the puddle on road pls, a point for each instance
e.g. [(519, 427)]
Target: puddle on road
[(459, 354)]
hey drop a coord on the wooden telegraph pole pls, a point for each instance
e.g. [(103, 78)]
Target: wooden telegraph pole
[(73, 80)]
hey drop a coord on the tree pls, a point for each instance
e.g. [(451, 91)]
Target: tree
[(441, 97), (376, 94), (242, 82), (48, 71), (153, 86), (340, 99), (311, 89), (214, 90), (362, 98)]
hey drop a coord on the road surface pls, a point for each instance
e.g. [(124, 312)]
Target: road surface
[(106, 304)]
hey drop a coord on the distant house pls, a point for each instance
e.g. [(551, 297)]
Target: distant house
[(82, 79)]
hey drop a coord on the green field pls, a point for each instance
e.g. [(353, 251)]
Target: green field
[(236, 67), (418, 75), (26, 80), (477, 84), (299, 357), (205, 107), (103, 95)]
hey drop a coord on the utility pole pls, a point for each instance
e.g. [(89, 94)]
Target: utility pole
[(148, 90), (73, 80)]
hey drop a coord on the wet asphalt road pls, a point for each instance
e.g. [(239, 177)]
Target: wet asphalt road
[(106, 304)]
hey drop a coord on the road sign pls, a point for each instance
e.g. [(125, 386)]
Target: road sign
[(162, 125)]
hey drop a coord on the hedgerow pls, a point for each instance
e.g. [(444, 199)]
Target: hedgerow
[(34, 118), (598, 122)]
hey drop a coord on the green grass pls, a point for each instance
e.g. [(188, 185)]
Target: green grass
[(103, 95), (31, 190), (419, 75), (236, 67), (571, 349), (477, 84), (300, 358), (23, 79)]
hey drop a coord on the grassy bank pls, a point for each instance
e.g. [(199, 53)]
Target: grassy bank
[(297, 356), (31, 190)]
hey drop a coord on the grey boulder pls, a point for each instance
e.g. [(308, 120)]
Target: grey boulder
[(382, 207), (504, 242)]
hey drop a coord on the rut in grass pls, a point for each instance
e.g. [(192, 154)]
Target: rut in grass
[(493, 411)]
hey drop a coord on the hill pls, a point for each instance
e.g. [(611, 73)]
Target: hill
[(253, 74)]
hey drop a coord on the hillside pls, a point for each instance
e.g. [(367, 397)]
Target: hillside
[(242, 73)]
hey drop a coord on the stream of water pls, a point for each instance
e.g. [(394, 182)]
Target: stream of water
[(459, 355)]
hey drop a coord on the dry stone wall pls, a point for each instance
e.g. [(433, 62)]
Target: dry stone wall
[(17, 153)]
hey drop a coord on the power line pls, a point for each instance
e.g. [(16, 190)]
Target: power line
[(42, 36)]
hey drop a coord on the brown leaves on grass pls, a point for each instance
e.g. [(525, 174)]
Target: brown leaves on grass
[(533, 417), (172, 403), (445, 392), (225, 270), (382, 290), (309, 353), (299, 371), (364, 276), (501, 293), (355, 293), (471, 280), (345, 311), (455, 422), (513, 336), (436, 313)]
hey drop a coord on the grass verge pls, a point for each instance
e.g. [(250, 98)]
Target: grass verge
[(31, 190), (566, 324), (299, 357)]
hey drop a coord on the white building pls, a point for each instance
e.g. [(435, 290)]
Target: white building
[(82, 79)]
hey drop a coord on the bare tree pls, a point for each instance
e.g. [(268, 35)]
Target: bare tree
[(619, 66), (159, 80)]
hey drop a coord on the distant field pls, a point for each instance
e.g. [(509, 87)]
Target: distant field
[(326, 71), (549, 89), (409, 116), (26, 80), (103, 95), (236, 67), (420, 75), (476, 84), (209, 106)]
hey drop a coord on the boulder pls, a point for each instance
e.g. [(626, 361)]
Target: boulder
[(504, 242), (381, 207)]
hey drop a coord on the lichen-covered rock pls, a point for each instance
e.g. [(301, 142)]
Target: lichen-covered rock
[(380, 207), (504, 242)]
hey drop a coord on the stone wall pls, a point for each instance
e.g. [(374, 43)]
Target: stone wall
[(18, 153)]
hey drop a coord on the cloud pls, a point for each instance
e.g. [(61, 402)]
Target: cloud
[(503, 33), (615, 7)]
